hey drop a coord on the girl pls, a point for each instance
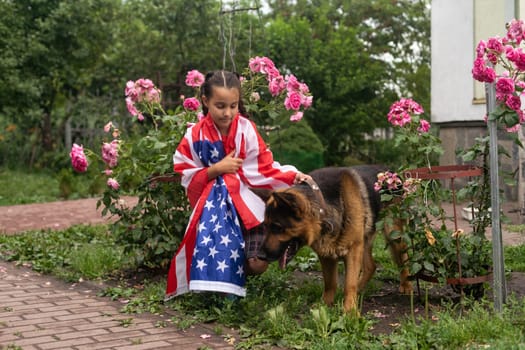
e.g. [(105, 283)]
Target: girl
[(219, 159)]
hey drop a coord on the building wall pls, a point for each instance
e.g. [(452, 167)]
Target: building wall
[(457, 101)]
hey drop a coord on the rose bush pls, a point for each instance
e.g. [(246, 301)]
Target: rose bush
[(502, 61), (414, 203), (141, 163)]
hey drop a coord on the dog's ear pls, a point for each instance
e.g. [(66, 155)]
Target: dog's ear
[(263, 193), (286, 203)]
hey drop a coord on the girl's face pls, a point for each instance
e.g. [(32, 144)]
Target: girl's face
[(223, 106)]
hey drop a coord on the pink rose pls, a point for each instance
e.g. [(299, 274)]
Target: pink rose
[(110, 153), (131, 107), (194, 78), (276, 85), (292, 84), (113, 183), (505, 85), (191, 104), (297, 116), (293, 100), (78, 158), (513, 102), (108, 127), (424, 126), (307, 101)]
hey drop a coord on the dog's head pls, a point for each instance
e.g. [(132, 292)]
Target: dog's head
[(289, 223)]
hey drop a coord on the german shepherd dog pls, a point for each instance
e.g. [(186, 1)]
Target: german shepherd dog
[(335, 214)]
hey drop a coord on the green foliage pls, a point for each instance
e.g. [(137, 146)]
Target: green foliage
[(414, 206), (282, 308), (78, 252), (514, 258), (297, 144)]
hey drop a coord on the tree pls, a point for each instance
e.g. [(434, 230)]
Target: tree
[(358, 57)]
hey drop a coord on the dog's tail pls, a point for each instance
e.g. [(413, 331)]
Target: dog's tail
[(356, 200)]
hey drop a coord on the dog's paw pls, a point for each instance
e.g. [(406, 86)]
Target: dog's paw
[(406, 288)]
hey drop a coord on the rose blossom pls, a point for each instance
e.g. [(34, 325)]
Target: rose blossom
[(113, 183), (78, 158), (110, 153), (108, 127), (297, 116), (194, 78), (424, 126), (505, 85), (293, 101), (191, 104), (276, 85)]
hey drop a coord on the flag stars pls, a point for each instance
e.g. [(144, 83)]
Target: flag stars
[(217, 227), (213, 218), (206, 240), (202, 227), (214, 153), (240, 270), (213, 252), (235, 254), (209, 205), (201, 264), (225, 240), (222, 265)]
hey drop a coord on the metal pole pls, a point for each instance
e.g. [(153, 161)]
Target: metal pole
[(497, 246)]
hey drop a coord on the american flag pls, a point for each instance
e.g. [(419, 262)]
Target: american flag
[(211, 255)]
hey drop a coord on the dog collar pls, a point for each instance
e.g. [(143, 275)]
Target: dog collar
[(317, 191)]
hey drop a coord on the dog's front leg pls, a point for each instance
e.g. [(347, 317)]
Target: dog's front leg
[(353, 263), (329, 267)]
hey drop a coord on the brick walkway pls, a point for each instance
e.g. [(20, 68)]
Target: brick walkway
[(41, 312)]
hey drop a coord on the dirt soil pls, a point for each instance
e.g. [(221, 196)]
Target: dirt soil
[(385, 305)]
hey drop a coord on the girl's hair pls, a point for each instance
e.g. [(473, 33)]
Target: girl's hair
[(222, 78)]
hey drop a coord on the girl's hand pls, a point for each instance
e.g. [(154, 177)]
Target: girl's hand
[(300, 177), (228, 165)]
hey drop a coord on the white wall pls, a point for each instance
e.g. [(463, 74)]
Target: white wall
[(452, 55)]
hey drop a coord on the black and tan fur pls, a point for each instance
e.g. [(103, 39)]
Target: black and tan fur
[(337, 221)]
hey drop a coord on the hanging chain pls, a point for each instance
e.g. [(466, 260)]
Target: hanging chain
[(227, 25)]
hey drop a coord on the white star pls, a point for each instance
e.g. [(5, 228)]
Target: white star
[(229, 214), (202, 226), (237, 221), (242, 245), (217, 227), (235, 254), (240, 270), (205, 240), (222, 265), (223, 203), (209, 205), (214, 153), (195, 251), (225, 240), (213, 218), (213, 251), (201, 264)]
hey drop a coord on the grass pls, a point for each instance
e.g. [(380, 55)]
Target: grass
[(25, 187), (282, 308)]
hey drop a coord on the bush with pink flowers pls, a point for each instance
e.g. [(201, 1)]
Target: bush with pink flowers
[(414, 204), (501, 60), (141, 165)]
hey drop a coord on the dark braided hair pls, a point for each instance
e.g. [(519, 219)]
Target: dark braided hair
[(222, 78)]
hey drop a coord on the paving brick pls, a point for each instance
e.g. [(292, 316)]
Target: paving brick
[(127, 334), (111, 344), (78, 316), (57, 344), (153, 345), (48, 315)]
